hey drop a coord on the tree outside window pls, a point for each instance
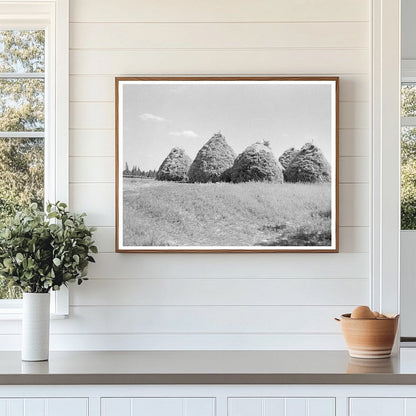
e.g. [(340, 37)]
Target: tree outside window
[(22, 124)]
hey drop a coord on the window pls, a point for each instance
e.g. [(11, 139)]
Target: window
[(33, 112), (408, 154), (22, 124)]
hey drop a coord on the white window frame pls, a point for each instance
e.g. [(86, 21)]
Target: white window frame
[(53, 17), (385, 150)]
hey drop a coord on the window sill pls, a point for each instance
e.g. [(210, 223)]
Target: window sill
[(13, 315), (11, 309)]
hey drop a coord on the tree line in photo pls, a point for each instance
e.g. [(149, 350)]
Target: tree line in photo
[(136, 172), (216, 161)]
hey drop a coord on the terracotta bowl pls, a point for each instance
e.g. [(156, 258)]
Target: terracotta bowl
[(369, 338)]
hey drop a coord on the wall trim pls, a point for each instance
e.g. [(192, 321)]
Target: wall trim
[(385, 98)]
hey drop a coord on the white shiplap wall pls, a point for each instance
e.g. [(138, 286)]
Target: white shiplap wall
[(218, 301)]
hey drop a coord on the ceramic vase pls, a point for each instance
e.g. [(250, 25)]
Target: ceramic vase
[(35, 326)]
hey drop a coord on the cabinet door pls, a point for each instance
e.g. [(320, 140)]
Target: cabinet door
[(146, 406), (44, 407), (269, 406), (382, 407)]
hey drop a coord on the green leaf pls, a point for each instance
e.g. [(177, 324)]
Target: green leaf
[(37, 255)]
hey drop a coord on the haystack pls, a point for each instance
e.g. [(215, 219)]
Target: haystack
[(257, 163), (287, 156), (175, 167), (214, 158), (309, 165)]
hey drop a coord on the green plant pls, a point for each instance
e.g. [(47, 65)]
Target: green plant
[(43, 251), (408, 195)]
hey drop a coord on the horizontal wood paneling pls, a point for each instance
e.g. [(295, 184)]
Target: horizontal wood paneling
[(253, 265), (101, 88), (81, 115), (354, 170), (93, 143), (354, 208), (92, 88), (92, 169), (218, 11), (146, 342), (104, 238), (194, 320), (221, 35), (354, 142), (96, 199), (217, 62), (288, 297), (220, 291), (352, 115), (201, 319), (352, 239)]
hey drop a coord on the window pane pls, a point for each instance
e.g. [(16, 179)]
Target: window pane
[(22, 51), (408, 144), (21, 173), (408, 178), (22, 104)]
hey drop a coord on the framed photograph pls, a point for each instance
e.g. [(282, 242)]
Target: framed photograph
[(227, 164)]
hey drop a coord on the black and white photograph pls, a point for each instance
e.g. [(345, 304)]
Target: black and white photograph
[(235, 164)]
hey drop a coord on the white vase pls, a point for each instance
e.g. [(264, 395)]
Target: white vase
[(35, 326)]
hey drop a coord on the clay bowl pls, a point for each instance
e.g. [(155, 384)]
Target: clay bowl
[(369, 338)]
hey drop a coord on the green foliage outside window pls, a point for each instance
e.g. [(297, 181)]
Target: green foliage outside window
[(408, 195), (408, 160), (21, 110)]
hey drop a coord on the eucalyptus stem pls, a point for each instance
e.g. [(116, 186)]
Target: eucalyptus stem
[(42, 251)]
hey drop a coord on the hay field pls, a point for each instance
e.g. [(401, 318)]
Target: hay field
[(160, 213)]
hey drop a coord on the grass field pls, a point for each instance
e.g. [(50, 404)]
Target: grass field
[(222, 214)]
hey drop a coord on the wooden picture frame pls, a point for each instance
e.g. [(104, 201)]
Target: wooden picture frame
[(227, 164)]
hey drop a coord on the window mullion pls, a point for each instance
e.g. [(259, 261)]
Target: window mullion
[(408, 121), (22, 75), (20, 134)]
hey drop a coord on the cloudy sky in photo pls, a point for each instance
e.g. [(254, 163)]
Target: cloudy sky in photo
[(158, 117)]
